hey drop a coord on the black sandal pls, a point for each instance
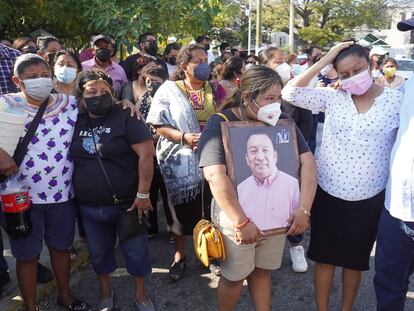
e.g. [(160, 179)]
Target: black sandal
[(177, 270), (76, 305)]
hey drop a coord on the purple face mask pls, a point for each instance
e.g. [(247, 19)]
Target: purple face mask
[(358, 84)]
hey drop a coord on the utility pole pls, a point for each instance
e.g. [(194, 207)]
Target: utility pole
[(291, 26), (258, 26), (249, 40)]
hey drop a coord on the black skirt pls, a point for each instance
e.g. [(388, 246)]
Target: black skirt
[(187, 214), (343, 232)]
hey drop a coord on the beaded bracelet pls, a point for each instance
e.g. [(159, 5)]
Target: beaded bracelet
[(306, 211), (243, 224)]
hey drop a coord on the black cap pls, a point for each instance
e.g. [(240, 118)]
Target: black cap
[(105, 38), (406, 25)]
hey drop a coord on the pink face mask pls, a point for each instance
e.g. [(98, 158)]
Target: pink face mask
[(358, 84)]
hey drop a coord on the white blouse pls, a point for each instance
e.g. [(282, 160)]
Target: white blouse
[(355, 151)]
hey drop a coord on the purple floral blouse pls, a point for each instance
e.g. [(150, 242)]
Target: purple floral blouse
[(47, 167)]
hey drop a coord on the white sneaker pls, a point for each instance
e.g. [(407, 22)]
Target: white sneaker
[(297, 255)]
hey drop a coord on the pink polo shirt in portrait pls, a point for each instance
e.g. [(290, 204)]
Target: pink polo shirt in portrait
[(115, 71), (269, 204)]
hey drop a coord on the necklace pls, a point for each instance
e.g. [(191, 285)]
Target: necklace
[(197, 98)]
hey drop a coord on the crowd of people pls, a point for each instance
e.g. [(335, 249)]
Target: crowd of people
[(117, 135)]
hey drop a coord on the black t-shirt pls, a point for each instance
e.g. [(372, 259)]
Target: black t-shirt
[(211, 148), (129, 62), (114, 135), (302, 117)]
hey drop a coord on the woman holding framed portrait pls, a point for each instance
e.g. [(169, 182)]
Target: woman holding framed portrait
[(361, 123), (251, 255)]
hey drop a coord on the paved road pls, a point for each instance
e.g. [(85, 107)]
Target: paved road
[(196, 291)]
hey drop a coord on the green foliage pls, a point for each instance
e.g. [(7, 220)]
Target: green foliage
[(230, 17), (74, 20), (323, 22)]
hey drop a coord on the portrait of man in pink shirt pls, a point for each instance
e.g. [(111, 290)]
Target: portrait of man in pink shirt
[(269, 195)]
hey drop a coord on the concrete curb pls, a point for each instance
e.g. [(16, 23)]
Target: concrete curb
[(14, 302)]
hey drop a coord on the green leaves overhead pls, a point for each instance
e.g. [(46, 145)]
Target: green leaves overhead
[(322, 22), (75, 20)]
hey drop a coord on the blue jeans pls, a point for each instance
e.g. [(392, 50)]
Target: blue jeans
[(295, 239), (101, 226), (54, 223), (394, 262)]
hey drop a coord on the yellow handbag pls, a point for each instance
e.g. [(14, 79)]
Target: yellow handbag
[(208, 242)]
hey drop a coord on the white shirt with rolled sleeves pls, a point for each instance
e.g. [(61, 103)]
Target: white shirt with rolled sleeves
[(399, 196), (356, 147)]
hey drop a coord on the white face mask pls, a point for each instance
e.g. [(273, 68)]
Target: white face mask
[(38, 88), (248, 66), (268, 114), (65, 74), (284, 72)]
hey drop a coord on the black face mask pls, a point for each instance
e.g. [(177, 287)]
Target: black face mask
[(316, 59), (51, 57), (151, 47), (172, 60), (207, 47), (152, 87), (28, 49), (99, 105), (103, 54)]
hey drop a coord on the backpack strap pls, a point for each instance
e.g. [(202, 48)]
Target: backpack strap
[(223, 116)]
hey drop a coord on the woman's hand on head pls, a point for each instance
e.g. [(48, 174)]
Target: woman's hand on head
[(334, 51)]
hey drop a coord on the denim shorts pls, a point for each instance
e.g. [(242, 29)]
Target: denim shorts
[(101, 228), (54, 222)]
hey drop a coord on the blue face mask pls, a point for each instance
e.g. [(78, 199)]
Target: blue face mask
[(202, 72), (296, 70)]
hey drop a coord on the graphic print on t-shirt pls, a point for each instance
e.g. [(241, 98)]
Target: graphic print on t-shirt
[(88, 141)]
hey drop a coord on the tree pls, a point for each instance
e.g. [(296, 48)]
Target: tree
[(74, 20), (321, 22)]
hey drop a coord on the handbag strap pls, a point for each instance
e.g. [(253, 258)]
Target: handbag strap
[(114, 197), (203, 214), (223, 116), (21, 148)]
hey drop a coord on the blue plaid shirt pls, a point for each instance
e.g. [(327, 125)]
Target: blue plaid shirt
[(7, 58)]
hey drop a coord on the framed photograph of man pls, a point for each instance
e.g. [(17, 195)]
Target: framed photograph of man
[(263, 165)]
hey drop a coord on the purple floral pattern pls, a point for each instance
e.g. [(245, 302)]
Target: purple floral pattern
[(47, 167)]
